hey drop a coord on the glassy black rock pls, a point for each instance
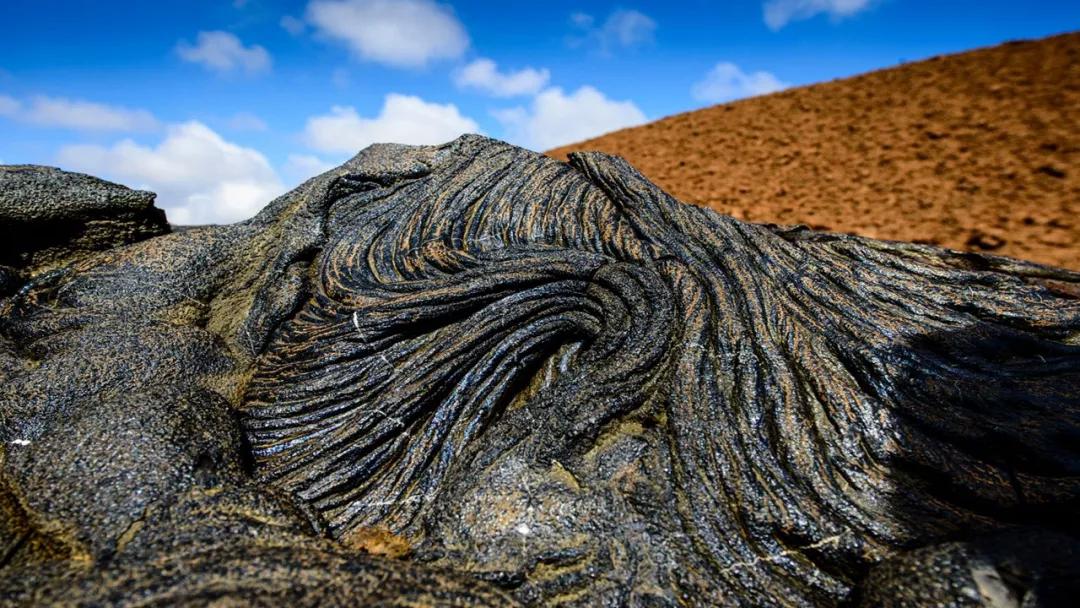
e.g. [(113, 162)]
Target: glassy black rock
[(473, 375)]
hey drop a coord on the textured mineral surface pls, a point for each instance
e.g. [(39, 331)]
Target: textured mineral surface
[(473, 375), (978, 151)]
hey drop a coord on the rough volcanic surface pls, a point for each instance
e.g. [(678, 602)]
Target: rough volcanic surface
[(49, 217), (473, 375), (978, 152)]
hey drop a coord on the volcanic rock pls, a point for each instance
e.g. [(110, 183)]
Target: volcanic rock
[(473, 375), (49, 216)]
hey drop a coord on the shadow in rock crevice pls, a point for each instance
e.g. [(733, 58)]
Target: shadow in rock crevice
[(987, 474)]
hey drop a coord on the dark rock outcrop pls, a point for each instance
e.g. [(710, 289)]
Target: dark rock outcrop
[(470, 374), (49, 217)]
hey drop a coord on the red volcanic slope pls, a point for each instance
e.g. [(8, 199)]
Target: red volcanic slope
[(976, 151)]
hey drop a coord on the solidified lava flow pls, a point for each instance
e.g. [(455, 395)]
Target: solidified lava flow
[(474, 375)]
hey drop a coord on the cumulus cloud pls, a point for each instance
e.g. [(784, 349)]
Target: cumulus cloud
[(398, 33), (582, 20), (292, 25), (403, 119), (223, 52), (76, 114), (485, 76), (622, 29), (555, 118), (300, 167), (628, 28), (340, 78), (779, 13), (9, 106), (726, 82), (199, 176)]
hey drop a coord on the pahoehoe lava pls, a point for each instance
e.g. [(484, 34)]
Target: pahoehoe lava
[(473, 375)]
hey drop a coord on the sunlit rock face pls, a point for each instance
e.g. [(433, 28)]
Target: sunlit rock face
[(471, 374)]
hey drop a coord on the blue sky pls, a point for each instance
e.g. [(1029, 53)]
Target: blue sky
[(219, 106)]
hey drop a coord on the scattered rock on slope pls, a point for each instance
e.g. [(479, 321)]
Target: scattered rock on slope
[(976, 151)]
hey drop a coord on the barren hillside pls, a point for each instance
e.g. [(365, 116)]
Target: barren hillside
[(975, 151)]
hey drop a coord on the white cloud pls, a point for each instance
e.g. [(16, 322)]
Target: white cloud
[(398, 33), (299, 167), (9, 106), (779, 13), (292, 25), (246, 121), (582, 20), (628, 28), (554, 118), (223, 52), (726, 82), (199, 176), (622, 29), (403, 119), (340, 78), (484, 75), (76, 114)]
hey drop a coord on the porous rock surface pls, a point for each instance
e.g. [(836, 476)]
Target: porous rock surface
[(49, 217), (473, 375)]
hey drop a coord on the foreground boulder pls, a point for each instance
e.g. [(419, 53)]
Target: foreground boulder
[(49, 217), (470, 374)]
